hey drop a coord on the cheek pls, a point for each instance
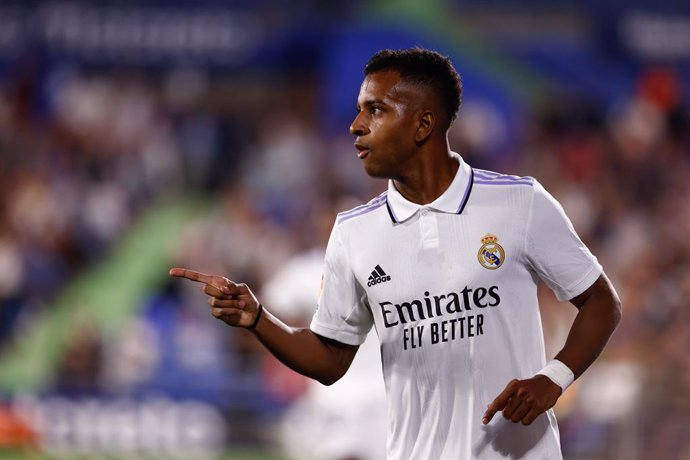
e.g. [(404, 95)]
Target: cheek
[(392, 129), (400, 134), (377, 125)]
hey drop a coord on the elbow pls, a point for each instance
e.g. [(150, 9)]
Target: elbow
[(329, 379), (616, 310), (619, 311), (330, 376), (607, 296)]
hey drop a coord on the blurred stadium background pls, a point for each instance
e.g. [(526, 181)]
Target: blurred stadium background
[(135, 136)]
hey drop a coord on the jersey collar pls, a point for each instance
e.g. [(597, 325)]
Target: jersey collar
[(452, 201)]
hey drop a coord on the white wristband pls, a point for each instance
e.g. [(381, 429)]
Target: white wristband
[(558, 373)]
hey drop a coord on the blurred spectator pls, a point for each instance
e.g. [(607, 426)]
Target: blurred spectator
[(80, 370)]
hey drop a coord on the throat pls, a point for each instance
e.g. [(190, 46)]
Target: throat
[(426, 186)]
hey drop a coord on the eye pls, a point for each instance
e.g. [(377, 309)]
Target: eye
[(375, 110)]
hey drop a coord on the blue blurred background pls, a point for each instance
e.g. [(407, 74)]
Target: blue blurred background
[(136, 136)]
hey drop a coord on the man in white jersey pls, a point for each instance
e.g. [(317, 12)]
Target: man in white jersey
[(445, 266)]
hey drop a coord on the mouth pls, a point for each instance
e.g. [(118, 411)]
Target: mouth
[(362, 151)]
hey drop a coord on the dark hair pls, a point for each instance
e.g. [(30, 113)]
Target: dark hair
[(423, 67)]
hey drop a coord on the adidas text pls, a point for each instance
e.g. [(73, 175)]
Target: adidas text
[(378, 279)]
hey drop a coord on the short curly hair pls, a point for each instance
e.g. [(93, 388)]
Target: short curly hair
[(423, 67)]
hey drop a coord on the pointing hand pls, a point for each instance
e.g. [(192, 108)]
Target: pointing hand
[(230, 302)]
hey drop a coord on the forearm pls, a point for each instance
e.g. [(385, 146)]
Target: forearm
[(302, 350), (600, 313)]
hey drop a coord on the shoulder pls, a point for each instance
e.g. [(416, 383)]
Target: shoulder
[(514, 194), (485, 178), (377, 203), (488, 186)]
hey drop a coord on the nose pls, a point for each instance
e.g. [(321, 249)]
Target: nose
[(358, 127)]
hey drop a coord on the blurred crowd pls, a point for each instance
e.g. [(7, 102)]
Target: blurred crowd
[(85, 154), (623, 177), (79, 162)]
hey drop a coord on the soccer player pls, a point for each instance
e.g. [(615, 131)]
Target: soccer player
[(445, 265)]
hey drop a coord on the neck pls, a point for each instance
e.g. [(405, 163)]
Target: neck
[(429, 175)]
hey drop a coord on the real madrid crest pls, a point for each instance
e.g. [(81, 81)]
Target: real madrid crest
[(491, 255)]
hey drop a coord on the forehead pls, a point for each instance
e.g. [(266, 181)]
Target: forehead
[(384, 85)]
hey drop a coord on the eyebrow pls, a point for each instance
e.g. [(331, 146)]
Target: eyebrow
[(372, 102)]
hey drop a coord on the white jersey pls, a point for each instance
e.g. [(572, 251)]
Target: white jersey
[(451, 288)]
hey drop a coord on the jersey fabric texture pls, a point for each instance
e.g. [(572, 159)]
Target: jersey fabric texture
[(451, 288)]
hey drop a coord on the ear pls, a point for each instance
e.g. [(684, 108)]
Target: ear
[(425, 126)]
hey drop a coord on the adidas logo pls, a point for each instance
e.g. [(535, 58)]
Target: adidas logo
[(378, 276)]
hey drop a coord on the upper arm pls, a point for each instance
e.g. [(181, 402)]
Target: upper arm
[(342, 354), (601, 290)]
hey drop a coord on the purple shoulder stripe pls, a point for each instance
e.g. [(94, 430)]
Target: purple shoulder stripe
[(485, 172), (494, 175), (502, 182), (372, 207), (373, 202), (483, 177)]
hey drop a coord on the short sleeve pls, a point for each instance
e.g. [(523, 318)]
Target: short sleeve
[(340, 313), (555, 251)]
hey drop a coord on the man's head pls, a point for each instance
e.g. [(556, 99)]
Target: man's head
[(407, 101), (424, 68)]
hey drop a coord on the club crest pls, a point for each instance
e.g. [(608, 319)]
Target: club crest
[(491, 254)]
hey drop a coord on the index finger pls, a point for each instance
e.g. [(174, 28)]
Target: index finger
[(191, 275), (499, 403)]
